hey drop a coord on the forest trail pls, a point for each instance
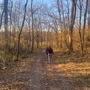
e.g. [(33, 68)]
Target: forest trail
[(38, 75), (44, 76)]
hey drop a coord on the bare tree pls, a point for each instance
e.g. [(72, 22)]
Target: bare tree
[(6, 24), (59, 11), (10, 14), (32, 19), (21, 30), (83, 13), (29, 28), (84, 24), (80, 18), (1, 18), (89, 14), (72, 21), (32, 13)]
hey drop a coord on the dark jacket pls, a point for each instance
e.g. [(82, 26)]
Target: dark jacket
[(50, 51)]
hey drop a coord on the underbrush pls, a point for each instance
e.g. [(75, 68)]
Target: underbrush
[(8, 60), (15, 75)]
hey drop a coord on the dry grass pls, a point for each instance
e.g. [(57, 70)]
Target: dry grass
[(74, 66)]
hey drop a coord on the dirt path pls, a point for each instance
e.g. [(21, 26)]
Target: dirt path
[(37, 73), (46, 77)]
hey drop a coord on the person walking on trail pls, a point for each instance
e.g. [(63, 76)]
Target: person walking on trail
[(50, 53)]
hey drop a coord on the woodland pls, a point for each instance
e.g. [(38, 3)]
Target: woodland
[(28, 26)]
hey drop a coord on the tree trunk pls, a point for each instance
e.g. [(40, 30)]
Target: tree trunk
[(10, 34), (32, 27), (1, 18), (59, 11), (80, 33), (6, 24), (84, 24), (89, 16), (21, 32), (73, 14)]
